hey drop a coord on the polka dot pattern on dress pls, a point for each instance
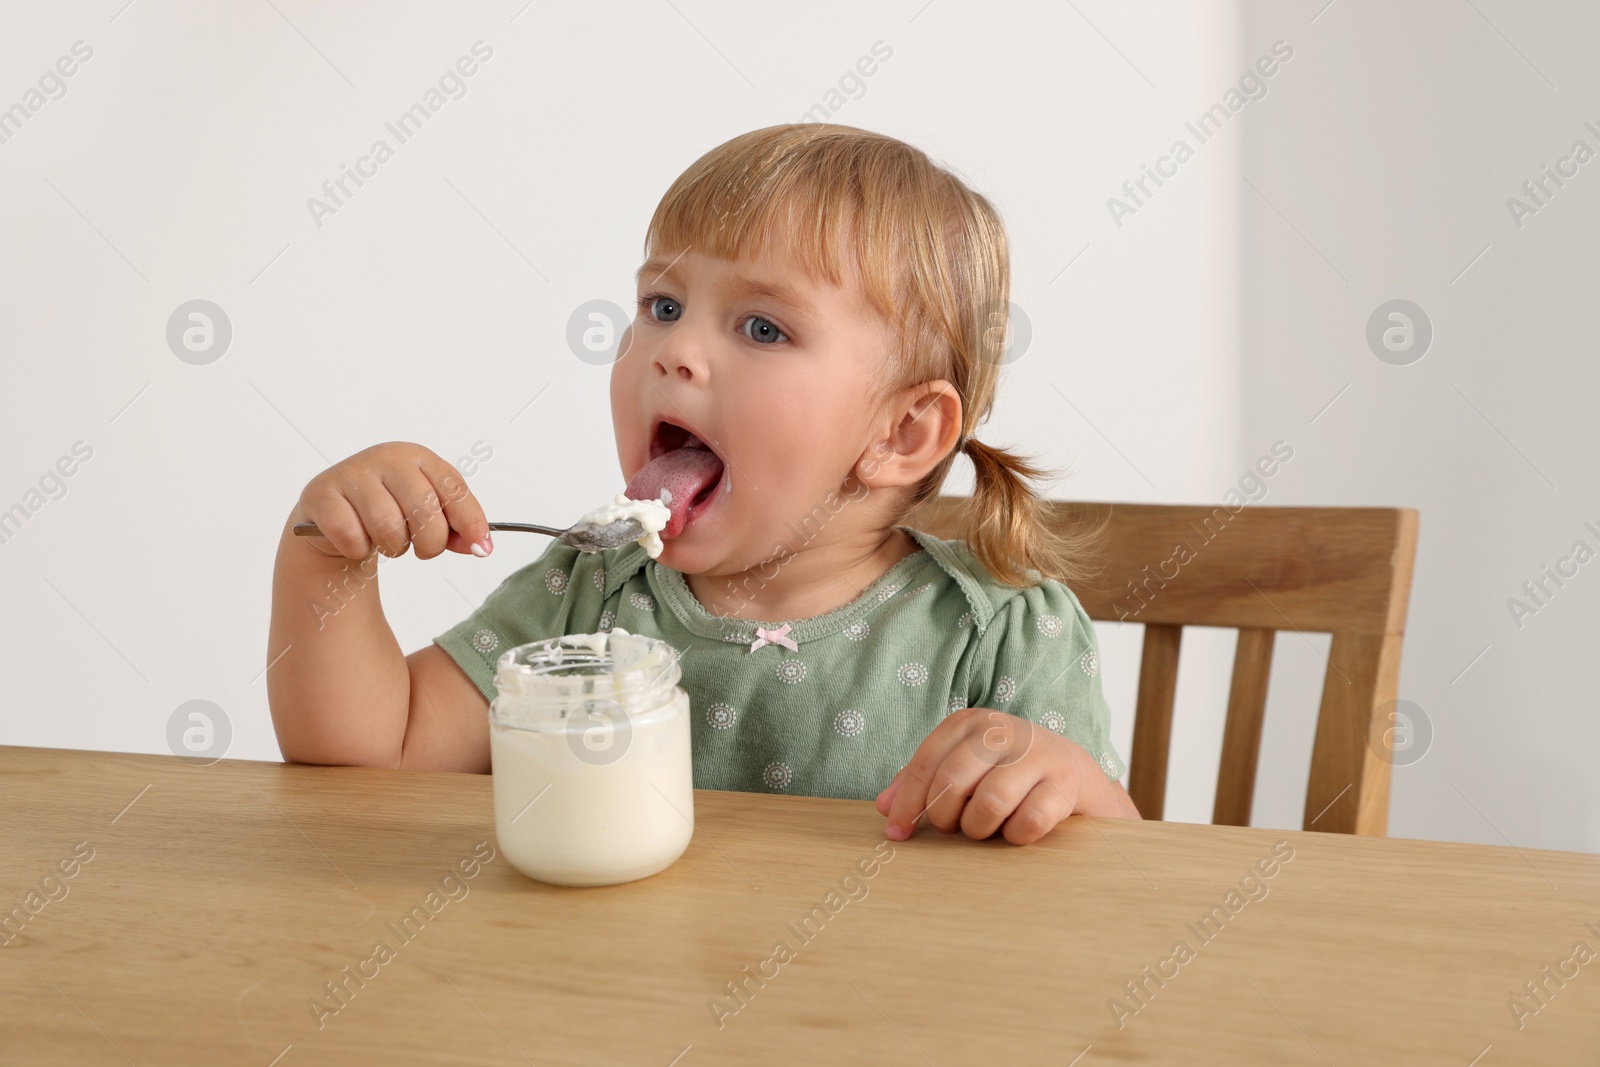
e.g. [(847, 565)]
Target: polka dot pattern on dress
[(849, 723), (955, 705), (1108, 765), (1054, 721), (1049, 625), (600, 579), (555, 581), (1005, 689), (642, 601), (720, 716), (485, 641), (857, 631), (791, 671), (1090, 663), (607, 621), (777, 775)]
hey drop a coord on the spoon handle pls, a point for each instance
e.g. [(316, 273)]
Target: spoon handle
[(309, 529)]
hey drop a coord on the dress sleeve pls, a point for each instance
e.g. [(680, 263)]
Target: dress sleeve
[(1040, 661), (559, 593)]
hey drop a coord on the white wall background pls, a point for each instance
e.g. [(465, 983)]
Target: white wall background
[(1396, 137), (433, 307)]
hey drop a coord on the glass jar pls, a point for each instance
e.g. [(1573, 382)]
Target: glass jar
[(589, 739)]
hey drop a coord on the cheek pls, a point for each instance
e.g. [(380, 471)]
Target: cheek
[(804, 428), (626, 412), (623, 370), (838, 408), (776, 416)]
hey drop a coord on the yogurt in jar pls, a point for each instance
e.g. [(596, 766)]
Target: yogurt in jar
[(589, 740)]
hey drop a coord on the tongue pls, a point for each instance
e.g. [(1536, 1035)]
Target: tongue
[(685, 473)]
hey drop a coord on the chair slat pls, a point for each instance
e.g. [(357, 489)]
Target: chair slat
[(1349, 788), (1328, 569), (1241, 738), (1152, 723)]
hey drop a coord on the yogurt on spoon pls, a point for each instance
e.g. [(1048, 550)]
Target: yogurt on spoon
[(652, 515), (688, 478), (663, 497)]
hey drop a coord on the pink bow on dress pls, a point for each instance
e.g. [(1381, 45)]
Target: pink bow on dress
[(774, 637)]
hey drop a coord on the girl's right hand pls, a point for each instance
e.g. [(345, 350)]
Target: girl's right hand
[(389, 497)]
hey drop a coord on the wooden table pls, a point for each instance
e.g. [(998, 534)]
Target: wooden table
[(216, 904)]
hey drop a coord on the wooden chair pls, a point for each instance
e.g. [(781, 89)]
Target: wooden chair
[(1344, 571)]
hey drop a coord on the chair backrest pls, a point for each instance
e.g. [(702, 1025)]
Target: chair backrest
[(1343, 571)]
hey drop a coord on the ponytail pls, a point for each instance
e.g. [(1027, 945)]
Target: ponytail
[(1013, 531)]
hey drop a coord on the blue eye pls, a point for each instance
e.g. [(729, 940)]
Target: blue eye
[(762, 331), (664, 308)]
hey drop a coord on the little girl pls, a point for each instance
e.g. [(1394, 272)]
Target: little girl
[(821, 321)]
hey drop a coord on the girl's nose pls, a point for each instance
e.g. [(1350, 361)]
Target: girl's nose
[(680, 357)]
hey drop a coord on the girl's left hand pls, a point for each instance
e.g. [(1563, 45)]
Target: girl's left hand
[(982, 770)]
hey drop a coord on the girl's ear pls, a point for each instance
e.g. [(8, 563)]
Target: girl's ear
[(923, 423)]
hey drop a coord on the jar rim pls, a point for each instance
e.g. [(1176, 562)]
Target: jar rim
[(555, 677)]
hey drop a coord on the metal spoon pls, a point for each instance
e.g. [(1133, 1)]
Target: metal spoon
[(584, 536)]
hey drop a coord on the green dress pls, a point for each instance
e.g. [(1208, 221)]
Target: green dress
[(840, 713)]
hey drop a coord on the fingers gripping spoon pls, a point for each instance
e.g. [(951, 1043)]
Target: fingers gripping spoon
[(606, 527)]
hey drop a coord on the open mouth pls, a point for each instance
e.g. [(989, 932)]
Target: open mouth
[(684, 471)]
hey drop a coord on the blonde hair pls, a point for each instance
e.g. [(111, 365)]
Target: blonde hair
[(932, 258)]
